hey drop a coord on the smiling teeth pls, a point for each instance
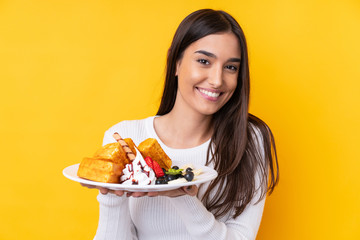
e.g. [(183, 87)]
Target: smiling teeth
[(210, 94)]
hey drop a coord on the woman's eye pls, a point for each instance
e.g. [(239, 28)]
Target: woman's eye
[(203, 61), (232, 68)]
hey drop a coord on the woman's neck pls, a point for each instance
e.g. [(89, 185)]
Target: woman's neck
[(179, 130)]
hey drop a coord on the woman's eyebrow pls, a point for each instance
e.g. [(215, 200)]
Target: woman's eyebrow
[(209, 54), (234, 60)]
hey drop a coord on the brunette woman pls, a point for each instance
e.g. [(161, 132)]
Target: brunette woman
[(202, 119)]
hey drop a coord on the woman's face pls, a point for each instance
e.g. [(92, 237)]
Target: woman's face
[(207, 73)]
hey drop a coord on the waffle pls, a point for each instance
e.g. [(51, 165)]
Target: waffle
[(107, 163), (100, 170), (151, 148), (114, 152)]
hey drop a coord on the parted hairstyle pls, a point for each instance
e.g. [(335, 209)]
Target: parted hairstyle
[(235, 146)]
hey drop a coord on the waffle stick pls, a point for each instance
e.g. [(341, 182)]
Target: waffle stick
[(124, 145)]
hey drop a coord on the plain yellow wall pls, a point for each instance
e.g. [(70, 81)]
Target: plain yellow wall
[(71, 69)]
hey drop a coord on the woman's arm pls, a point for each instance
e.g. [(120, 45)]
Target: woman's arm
[(201, 224), (114, 219)]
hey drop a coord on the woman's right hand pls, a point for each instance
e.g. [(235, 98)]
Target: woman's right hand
[(104, 190), (117, 192)]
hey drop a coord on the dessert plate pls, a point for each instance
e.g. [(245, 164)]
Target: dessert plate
[(207, 175)]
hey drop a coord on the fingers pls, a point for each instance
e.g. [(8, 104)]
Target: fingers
[(104, 190), (190, 190), (142, 194), (171, 193), (87, 185), (119, 192), (153, 194), (136, 194)]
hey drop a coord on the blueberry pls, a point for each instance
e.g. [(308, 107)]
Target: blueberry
[(170, 177), (175, 167), (189, 169), (178, 176), (161, 181), (189, 176)]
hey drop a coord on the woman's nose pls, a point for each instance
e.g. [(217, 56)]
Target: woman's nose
[(215, 78)]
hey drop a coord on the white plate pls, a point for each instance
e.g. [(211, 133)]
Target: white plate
[(207, 175)]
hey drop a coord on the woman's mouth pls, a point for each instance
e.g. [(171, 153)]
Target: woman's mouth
[(208, 94)]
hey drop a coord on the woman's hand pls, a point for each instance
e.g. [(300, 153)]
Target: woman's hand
[(189, 190), (104, 190)]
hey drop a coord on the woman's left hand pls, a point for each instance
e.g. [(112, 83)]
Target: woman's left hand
[(189, 190)]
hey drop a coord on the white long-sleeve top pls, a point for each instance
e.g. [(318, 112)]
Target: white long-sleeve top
[(179, 218)]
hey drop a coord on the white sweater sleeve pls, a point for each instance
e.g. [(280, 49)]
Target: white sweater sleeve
[(114, 220), (201, 224)]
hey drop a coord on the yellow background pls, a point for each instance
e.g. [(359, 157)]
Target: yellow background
[(71, 69)]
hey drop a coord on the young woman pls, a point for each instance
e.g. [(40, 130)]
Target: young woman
[(202, 119)]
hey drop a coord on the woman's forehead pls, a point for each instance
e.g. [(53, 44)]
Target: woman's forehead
[(220, 45)]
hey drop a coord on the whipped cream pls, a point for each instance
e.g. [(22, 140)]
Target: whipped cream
[(138, 172)]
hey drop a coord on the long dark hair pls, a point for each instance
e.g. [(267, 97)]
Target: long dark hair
[(236, 143)]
